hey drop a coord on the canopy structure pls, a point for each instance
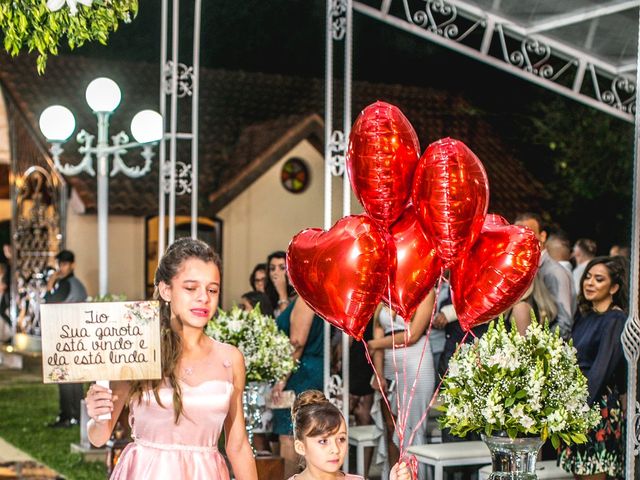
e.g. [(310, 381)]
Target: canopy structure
[(583, 49), (586, 50)]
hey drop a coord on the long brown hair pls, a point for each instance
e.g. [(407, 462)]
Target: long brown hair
[(313, 414), (170, 264)]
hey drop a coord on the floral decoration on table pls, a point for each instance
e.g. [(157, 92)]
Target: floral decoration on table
[(267, 351), (42, 25), (527, 385)]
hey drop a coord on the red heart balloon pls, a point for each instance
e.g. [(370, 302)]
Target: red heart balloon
[(451, 195), (417, 265), (341, 273), (381, 159), (495, 273)]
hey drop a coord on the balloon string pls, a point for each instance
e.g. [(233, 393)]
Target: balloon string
[(424, 348), (400, 430), (378, 379), (437, 391)]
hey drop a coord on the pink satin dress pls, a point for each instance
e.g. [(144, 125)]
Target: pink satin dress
[(163, 449)]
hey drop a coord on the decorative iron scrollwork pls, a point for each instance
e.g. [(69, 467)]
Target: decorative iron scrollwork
[(184, 79), (339, 19), (338, 150), (334, 390), (183, 178)]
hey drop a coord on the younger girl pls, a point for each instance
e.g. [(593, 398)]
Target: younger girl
[(320, 434), (176, 421)]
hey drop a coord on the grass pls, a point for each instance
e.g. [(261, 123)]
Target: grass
[(27, 406)]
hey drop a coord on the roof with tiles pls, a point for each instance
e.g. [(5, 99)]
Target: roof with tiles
[(247, 122)]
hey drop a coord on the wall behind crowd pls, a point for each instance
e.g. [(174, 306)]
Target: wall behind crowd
[(265, 216)]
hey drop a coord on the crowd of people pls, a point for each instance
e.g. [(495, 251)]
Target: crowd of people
[(583, 295)]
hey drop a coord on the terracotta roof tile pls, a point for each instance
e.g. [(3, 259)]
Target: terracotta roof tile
[(244, 116)]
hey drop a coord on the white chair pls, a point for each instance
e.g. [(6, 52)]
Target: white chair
[(361, 437), (546, 470), (454, 454)]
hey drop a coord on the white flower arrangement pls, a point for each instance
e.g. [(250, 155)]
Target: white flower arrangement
[(267, 351), (522, 385)]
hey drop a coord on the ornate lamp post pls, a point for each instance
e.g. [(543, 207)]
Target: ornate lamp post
[(57, 123)]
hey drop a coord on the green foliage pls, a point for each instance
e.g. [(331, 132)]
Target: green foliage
[(31, 25), (26, 409), (521, 385), (109, 297)]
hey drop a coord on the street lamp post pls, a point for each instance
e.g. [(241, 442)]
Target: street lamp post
[(57, 123)]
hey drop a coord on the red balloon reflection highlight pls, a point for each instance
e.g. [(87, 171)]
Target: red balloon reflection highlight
[(381, 159), (495, 273), (451, 195), (417, 265), (341, 273)]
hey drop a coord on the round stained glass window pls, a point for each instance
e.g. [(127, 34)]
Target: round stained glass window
[(295, 175)]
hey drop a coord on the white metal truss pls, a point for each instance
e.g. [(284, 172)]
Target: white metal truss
[(527, 50), (177, 81), (339, 32)]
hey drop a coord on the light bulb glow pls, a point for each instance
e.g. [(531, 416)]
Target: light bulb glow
[(57, 123), (146, 126), (103, 95)]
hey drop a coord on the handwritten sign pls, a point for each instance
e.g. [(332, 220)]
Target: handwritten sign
[(82, 342)]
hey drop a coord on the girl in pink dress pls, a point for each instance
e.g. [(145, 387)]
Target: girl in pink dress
[(320, 436), (176, 421)]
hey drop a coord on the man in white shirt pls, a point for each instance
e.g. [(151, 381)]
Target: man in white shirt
[(555, 277)]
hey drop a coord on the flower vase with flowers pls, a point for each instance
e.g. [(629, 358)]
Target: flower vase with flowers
[(268, 355), (517, 391)]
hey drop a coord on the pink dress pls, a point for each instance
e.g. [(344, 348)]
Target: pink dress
[(189, 450), (347, 476)]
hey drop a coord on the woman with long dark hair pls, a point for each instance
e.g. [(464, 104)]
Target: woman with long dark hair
[(602, 305), (278, 288), (176, 421)]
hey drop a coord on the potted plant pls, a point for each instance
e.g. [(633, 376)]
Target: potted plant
[(517, 391), (267, 355)]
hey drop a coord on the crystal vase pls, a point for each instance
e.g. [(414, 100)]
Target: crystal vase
[(253, 405), (513, 459)]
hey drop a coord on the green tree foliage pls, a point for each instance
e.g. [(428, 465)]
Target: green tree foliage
[(30, 25), (584, 158)]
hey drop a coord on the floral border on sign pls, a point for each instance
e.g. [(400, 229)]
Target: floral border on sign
[(141, 313)]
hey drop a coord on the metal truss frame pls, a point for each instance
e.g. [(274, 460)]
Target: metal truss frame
[(521, 50)]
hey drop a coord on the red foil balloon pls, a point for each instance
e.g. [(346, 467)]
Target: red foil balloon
[(341, 273), (495, 273), (381, 159), (451, 195), (417, 265)]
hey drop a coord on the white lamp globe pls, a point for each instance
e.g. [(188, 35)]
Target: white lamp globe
[(103, 95), (57, 123), (146, 126)]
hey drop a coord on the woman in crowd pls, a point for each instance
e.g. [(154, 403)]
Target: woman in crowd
[(389, 328), (306, 334), (176, 421), (602, 302), (278, 288), (258, 278), (321, 438), (536, 300)]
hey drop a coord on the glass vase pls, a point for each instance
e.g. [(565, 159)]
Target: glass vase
[(513, 459), (253, 404)]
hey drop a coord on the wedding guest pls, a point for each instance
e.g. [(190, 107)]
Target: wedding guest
[(278, 288), (249, 300), (538, 301), (620, 251), (258, 278), (306, 334), (603, 302), (559, 249), (392, 353), (556, 278), (584, 250), (176, 421), (64, 287), (321, 439)]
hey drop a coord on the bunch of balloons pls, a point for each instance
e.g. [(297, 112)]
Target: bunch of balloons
[(423, 214)]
